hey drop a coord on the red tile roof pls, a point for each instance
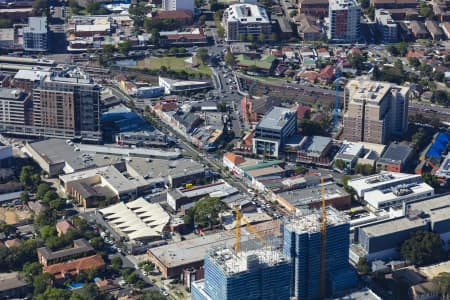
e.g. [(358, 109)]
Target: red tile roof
[(327, 72), (75, 266), (63, 226), (173, 14), (13, 243), (235, 159)]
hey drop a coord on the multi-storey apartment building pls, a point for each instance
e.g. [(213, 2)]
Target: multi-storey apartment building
[(375, 112), (35, 35), (386, 26), (273, 130), (245, 275), (68, 107), (15, 106), (243, 20), (302, 244), (344, 21)]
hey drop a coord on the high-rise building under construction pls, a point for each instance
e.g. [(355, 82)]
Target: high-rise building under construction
[(262, 274), (302, 245)]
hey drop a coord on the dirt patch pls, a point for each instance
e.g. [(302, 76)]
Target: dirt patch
[(14, 214)]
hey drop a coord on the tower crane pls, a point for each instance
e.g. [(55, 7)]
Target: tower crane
[(239, 218)]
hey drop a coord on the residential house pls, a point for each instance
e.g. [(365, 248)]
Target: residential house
[(326, 75), (435, 31), (62, 227)]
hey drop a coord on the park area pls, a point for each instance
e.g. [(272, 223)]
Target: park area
[(173, 63), (12, 215)]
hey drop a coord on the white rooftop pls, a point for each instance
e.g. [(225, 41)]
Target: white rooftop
[(31, 75), (233, 263), (311, 222), (342, 4), (381, 181), (378, 197), (350, 148), (140, 152), (92, 27), (36, 25), (246, 13), (137, 219)]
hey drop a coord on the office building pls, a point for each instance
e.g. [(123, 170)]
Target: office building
[(246, 275), (302, 244), (15, 107), (382, 240), (36, 35), (395, 158), (178, 5), (242, 20), (68, 107), (386, 26), (273, 130), (375, 111), (390, 189), (349, 154), (344, 21)]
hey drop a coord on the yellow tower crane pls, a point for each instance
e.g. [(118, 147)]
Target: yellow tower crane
[(240, 217), (323, 231)]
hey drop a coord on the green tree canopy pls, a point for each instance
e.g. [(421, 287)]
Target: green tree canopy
[(423, 248), (205, 212), (202, 55), (442, 281)]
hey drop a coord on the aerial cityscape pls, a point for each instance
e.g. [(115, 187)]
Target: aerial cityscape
[(225, 149)]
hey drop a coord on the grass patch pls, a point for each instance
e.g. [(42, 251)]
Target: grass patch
[(172, 63)]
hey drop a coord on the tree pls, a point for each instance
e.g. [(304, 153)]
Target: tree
[(340, 164), (41, 283), (261, 38), (47, 232), (98, 243), (206, 211), (229, 59), (152, 295), (310, 128), (273, 37), (364, 169), (54, 294), (301, 170), (203, 55), (425, 10), (441, 97), (250, 38), (116, 263), (24, 197), (25, 177), (40, 7), (138, 12), (31, 269), (423, 248), (124, 47), (91, 292), (362, 267), (414, 62), (49, 196), (41, 190), (442, 281), (357, 61), (293, 13)]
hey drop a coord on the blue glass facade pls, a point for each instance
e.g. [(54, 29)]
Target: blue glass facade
[(304, 249), (259, 282)]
